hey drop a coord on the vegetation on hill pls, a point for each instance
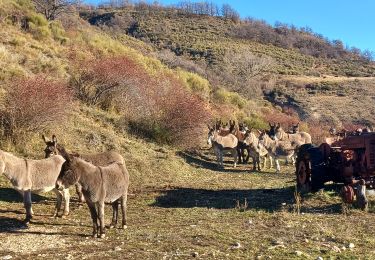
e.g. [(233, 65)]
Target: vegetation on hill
[(100, 90), (247, 56)]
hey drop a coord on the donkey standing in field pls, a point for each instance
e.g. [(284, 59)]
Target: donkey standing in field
[(221, 143), (277, 149), (34, 176), (255, 150), (99, 159), (100, 185), (240, 133), (277, 133), (297, 139)]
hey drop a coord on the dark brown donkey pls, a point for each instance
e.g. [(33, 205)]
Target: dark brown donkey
[(100, 185), (99, 159)]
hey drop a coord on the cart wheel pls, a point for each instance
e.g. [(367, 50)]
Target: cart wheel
[(303, 175), (347, 194)]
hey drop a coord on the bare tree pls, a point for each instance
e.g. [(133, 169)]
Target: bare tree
[(229, 13), (51, 9)]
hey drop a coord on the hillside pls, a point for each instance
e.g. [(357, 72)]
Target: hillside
[(100, 90), (230, 56)]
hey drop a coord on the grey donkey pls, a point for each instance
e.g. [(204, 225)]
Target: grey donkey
[(100, 185)]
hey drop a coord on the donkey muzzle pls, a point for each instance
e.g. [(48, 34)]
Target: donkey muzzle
[(59, 185)]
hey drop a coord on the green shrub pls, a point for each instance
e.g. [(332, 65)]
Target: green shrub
[(58, 32), (38, 26), (223, 96), (196, 83)]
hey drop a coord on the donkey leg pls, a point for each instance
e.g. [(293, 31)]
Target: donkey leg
[(114, 214), (27, 205), (80, 193), (221, 159), (124, 199), (59, 198), (239, 152), (235, 155), (101, 219), (277, 165), (66, 196), (94, 217), (271, 161), (258, 162)]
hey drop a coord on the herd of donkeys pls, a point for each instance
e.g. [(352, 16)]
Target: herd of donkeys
[(103, 178), (274, 143), (99, 178)]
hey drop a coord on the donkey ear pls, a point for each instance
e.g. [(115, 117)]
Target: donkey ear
[(54, 139), (44, 139)]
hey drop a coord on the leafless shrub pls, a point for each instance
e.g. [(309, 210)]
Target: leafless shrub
[(33, 104)]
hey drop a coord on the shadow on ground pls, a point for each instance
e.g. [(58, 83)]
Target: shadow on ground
[(202, 160), (11, 195), (260, 199), (11, 224)]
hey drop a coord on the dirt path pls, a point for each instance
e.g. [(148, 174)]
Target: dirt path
[(199, 212)]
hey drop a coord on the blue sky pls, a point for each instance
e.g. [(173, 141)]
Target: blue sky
[(350, 21)]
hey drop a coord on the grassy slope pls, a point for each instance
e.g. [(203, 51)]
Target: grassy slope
[(210, 37), (348, 99)]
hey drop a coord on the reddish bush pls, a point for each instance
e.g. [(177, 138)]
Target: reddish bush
[(155, 106), (286, 119), (183, 114), (33, 104), (101, 81), (318, 131)]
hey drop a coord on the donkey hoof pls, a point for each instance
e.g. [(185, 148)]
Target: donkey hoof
[(101, 235), (124, 226)]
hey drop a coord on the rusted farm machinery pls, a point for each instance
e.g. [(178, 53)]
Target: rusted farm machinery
[(349, 160)]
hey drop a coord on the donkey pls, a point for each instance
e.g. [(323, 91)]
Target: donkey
[(100, 185), (300, 138), (99, 159), (228, 128), (240, 133), (255, 150), (34, 176), (277, 149), (221, 143)]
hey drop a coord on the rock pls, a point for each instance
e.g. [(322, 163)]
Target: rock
[(319, 258), (298, 253), (277, 242), (351, 245), (117, 248), (306, 240), (236, 245), (7, 257), (343, 248), (194, 254)]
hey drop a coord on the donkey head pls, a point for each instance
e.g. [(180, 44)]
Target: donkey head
[(232, 125), (294, 129), (68, 174), (249, 137), (51, 148), (211, 134), (275, 131)]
